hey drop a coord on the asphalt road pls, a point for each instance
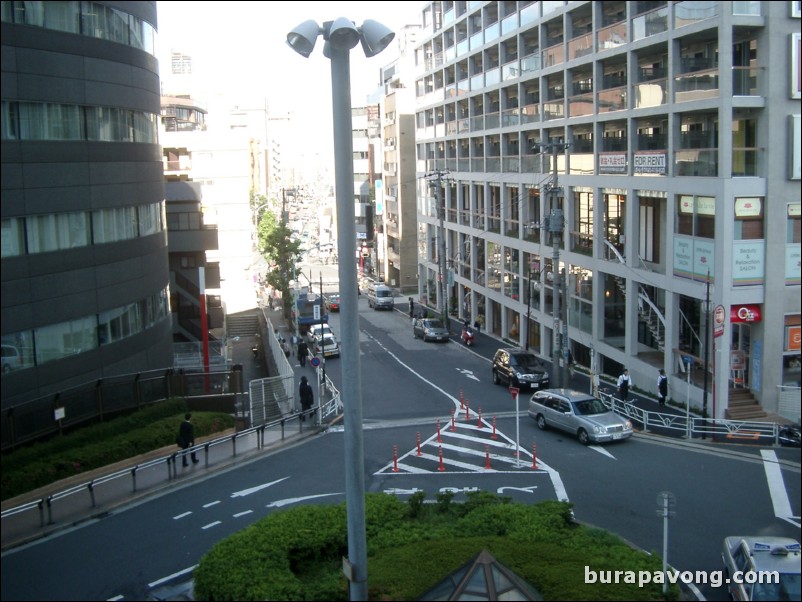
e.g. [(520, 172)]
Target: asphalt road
[(412, 392)]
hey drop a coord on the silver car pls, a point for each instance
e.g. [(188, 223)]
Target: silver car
[(429, 329), (579, 414)]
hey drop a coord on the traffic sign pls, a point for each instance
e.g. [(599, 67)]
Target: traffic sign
[(315, 361), (514, 392)]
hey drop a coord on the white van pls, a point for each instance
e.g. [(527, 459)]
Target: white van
[(380, 296)]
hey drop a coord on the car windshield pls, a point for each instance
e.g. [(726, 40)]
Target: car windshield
[(383, 293), (432, 323), (788, 588), (588, 407), (524, 360)]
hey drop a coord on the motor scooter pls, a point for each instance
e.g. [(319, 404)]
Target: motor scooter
[(789, 436), (467, 336)]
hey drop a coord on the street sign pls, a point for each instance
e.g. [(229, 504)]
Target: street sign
[(514, 392), (316, 312), (718, 321), (315, 361)]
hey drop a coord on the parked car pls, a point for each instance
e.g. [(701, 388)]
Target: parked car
[(327, 346), (12, 359), (315, 330), (519, 368), (333, 302), (429, 329), (579, 414), (380, 296), (757, 554)]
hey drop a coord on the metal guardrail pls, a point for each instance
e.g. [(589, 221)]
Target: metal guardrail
[(693, 426), (46, 505)]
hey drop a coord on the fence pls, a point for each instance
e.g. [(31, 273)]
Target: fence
[(46, 416), (149, 475), (691, 426)]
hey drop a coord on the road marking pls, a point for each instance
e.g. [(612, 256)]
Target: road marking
[(238, 514), (295, 500), (210, 504), (158, 582), (210, 525), (468, 373), (249, 491), (779, 495), (182, 515), (530, 489), (601, 450)]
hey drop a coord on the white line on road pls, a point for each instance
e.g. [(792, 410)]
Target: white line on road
[(295, 500), (182, 515), (158, 582), (250, 490), (238, 514), (601, 450), (210, 525), (210, 504), (779, 495)]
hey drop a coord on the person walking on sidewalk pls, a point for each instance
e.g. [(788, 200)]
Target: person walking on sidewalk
[(662, 388), (411, 307), (186, 439), (307, 396), (624, 384), (303, 352)]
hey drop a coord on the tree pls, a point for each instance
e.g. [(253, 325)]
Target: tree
[(281, 253)]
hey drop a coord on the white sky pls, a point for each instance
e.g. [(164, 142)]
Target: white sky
[(240, 48)]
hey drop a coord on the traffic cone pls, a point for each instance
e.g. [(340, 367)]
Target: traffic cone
[(534, 456), (494, 436), (487, 457), (441, 468), (395, 458)]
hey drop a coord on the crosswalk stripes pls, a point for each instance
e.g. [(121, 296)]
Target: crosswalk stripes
[(465, 447)]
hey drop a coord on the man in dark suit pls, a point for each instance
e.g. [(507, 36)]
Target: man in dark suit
[(186, 436)]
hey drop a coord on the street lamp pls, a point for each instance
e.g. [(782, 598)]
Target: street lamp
[(341, 35), (707, 353), (554, 225)]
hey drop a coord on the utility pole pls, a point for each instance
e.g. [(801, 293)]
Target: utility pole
[(707, 352), (554, 224), (322, 338), (536, 266), (441, 248)]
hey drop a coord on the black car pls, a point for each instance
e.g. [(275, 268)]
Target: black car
[(519, 368)]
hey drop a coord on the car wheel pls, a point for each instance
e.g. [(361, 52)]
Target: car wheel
[(541, 422), (496, 379), (582, 435)]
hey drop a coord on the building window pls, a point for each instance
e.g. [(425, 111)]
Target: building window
[(582, 236), (696, 216), (57, 231), (649, 230), (12, 241)]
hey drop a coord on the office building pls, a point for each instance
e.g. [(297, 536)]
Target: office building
[(658, 143), (85, 279)]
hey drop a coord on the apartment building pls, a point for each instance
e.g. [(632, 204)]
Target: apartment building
[(85, 279), (644, 157)]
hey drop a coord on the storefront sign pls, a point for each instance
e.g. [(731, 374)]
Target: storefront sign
[(718, 321), (612, 163), (650, 163), (737, 360), (748, 262), (747, 207), (745, 313), (793, 334)]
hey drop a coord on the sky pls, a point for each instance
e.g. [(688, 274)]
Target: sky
[(240, 48)]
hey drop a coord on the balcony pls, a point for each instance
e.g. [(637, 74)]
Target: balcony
[(747, 81), (649, 24), (744, 162), (554, 55), (614, 99), (700, 162), (612, 36), (553, 110), (581, 104), (580, 46), (687, 13)]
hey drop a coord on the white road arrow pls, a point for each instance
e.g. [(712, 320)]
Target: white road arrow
[(295, 500), (394, 491), (468, 373), (245, 492), (530, 489)]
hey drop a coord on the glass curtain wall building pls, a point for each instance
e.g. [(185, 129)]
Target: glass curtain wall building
[(84, 246), (666, 137)]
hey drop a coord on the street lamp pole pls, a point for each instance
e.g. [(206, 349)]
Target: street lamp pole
[(707, 349), (341, 35), (559, 348)]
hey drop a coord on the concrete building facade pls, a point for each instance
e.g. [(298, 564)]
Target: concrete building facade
[(658, 144), (85, 279)]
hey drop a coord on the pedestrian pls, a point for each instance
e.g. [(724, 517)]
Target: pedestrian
[(624, 383), (411, 307), (286, 347), (307, 396), (303, 352), (477, 325), (662, 388), (186, 439)]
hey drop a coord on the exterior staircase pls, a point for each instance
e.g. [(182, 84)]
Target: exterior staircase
[(243, 324), (742, 405)]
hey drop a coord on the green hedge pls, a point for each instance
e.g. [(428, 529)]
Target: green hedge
[(99, 445), (296, 554)]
